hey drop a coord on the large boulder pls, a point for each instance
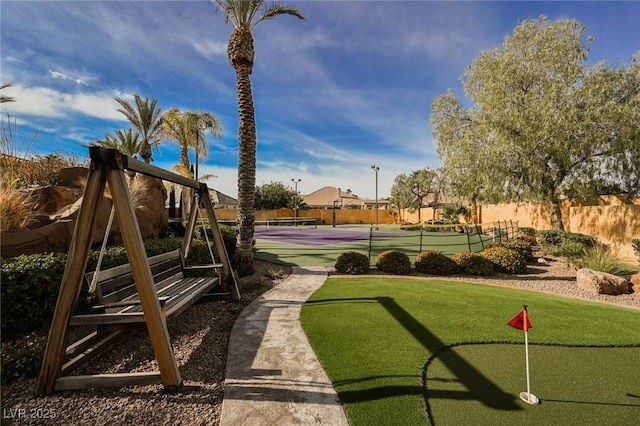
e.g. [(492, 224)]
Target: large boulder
[(149, 198), (601, 282), (57, 210)]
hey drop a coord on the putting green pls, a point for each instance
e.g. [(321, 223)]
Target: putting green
[(374, 335), (480, 384)]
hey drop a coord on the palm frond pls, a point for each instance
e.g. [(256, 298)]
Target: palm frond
[(275, 9)]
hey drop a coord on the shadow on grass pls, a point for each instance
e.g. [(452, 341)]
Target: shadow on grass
[(477, 385)]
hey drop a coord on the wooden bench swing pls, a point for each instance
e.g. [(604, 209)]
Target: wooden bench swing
[(146, 291)]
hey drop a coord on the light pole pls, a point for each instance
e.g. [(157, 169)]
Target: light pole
[(336, 203), (376, 169), (295, 206)]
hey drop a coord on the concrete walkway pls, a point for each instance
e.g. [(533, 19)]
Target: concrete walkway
[(273, 376)]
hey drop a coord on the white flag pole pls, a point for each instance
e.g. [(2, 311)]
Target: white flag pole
[(527, 396)]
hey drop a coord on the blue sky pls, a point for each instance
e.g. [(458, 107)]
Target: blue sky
[(349, 87)]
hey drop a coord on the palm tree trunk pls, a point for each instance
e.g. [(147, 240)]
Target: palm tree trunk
[(246, 172)]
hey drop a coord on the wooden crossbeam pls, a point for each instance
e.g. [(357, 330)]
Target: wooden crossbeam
[(116, 380)]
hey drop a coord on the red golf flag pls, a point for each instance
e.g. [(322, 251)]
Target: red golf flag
[(519, 323)]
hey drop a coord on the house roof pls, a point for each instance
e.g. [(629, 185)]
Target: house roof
[(218, 198), (325, 197)]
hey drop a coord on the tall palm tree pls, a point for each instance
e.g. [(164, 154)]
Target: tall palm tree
[(146, 117), (125, 141), (245, 15), (188, 129)]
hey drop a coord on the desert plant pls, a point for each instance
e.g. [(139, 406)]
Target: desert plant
[(473, 264), (16, 209), (352, 262), (602, 258), (435, 263), (46, 170), (14, 151), (505, 260), (393, 262), (571, 250), (452, 212)]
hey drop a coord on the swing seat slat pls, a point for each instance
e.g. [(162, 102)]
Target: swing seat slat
[(118, 301)]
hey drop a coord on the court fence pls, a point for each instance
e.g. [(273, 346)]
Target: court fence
[(447, 239)]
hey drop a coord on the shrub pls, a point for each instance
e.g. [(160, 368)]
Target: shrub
[(586, 240), (602, 258), (505, 260), (29, 292), (393, 262), (549, 238), (473, 264), (353, 263), (22, 357), (570, 250), (518, 244), (30, 283), (636, 247), (529, 234), (435, 263)]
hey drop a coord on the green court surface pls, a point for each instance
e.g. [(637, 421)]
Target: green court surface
[(306, 247)]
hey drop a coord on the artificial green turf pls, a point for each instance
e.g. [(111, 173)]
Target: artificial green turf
[(374, 336), (574, 384)]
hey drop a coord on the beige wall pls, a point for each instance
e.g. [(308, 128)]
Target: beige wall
[(606, 218), (343, 216)]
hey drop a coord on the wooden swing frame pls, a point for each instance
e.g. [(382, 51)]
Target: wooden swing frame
[(107, 167)]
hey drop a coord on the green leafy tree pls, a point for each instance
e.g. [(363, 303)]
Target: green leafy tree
[(273, 195), (401, 194), (411, 191), (540, 121), (245, 15), (421, 183), (146, 117)]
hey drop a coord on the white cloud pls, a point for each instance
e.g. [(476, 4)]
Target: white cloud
[(51, 103), (210, 48), (63, 76)]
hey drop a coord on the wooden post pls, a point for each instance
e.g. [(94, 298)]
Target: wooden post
[(191, 225), (72, 279), (222, 249), (156, 324)]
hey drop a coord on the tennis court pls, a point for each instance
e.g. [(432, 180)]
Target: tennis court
[(321, 245)]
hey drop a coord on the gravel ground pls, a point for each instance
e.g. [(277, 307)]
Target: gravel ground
[(200, 337)]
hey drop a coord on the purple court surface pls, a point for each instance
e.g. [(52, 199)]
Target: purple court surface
[(314, 237)]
